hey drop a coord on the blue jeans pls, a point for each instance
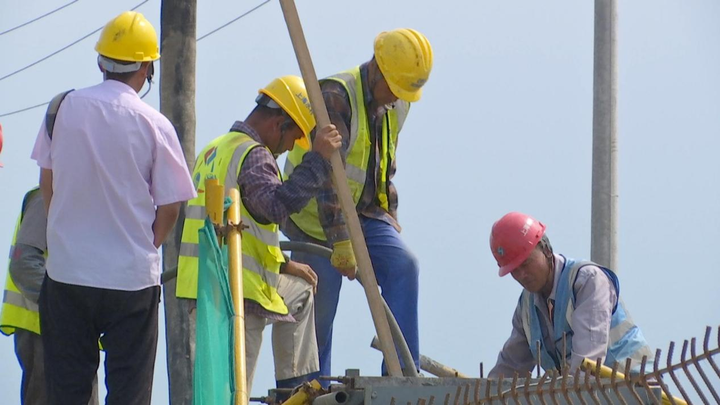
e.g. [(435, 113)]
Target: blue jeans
[(396, 270)]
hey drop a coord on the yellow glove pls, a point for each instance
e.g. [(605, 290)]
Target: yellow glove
[(343, 258)]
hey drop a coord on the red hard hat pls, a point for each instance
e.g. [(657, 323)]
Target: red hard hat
[(1, 142), (513, 238)]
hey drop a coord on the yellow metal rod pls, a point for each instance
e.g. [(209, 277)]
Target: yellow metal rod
[(236, 287), (214, 200), (606, 372), (303, 397)]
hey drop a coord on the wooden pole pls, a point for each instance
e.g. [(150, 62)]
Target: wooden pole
[(343, 191), (177, 102), (431, 366), (236, 287)]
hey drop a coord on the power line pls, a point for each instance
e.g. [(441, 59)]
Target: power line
[(233, 20), (38, 18), (198, 40), (59, 50), (23, 109)]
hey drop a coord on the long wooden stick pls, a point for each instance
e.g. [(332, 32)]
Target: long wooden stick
[(343, 191), (431, 366)]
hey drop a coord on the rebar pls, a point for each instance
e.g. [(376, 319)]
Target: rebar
[(620, 385)]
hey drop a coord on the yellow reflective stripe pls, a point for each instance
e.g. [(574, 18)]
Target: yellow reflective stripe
[(15, 298), (250, 263)]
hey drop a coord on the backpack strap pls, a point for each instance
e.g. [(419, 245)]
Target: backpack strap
[(52, 111)]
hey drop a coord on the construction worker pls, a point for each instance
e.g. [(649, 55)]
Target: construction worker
[(276, 290), (19, 316), (561, 296), (113, 177), (368, 104)]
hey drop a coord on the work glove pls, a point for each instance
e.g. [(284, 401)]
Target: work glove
[(343, 259)]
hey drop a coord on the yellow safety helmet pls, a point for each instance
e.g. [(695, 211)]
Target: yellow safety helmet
[(405, 58), (290, 94), (129, 37)]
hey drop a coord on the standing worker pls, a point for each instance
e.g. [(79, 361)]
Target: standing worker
[(113, 178), (561, 296), (276, 290), (368, 104), (19, 316)]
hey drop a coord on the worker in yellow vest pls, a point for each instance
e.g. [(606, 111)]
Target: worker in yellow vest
[(368, 104), (276, 290), (19, 316)]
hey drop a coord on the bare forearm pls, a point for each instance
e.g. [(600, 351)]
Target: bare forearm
[(165, 218), (46, 179)]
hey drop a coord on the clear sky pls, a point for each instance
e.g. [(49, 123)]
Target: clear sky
[(505, 124)]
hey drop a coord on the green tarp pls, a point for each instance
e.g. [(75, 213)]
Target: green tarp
[(214, 376)]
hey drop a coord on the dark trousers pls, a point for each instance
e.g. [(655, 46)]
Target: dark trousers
[(73, 318), (29, 351)]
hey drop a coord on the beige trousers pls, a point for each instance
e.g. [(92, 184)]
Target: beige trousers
[(294, 343)]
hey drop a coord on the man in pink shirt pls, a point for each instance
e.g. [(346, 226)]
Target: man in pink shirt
[(561, 296), (113, 178)]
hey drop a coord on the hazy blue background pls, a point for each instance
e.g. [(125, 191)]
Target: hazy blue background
[(505, 124)]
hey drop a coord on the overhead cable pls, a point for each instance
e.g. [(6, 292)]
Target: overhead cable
[(198, 40), (38, 18), (60, 50)]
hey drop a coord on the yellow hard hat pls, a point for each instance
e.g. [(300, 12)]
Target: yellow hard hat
[(129, 37), (289, 93), (405, 58)]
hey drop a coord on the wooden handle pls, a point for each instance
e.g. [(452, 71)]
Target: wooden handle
[(343, 191)]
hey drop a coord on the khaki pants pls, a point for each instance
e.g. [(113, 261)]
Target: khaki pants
[(294, 344)]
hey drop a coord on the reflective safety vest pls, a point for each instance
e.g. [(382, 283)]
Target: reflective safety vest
[(625, 340), (356, 163), (18, 312), (261, 254)]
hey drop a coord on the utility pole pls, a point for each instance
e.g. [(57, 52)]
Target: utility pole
[(604, 163), (177, 102)]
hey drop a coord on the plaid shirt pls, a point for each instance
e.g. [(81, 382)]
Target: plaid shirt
[(338, 105), (270, 200), (266, 197)]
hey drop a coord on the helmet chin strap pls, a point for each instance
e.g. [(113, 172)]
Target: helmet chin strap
[(149, 88)]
